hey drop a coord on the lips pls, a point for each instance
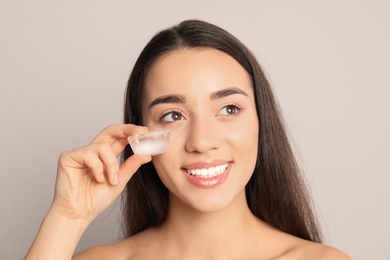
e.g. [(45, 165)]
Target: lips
[(207, 175)]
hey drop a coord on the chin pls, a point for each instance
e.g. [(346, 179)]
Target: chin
[(212, 202)]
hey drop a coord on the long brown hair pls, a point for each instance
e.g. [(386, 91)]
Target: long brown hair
[(275, 193)]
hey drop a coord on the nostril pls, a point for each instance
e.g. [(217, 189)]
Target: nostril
[(202, 136)]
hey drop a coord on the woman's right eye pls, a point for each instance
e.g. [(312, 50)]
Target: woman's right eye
[(171, 117)]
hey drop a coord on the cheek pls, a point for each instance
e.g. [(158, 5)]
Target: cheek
[(168, 164), (246, 148), (245, 133), (163, 164), (247, 145), (171, 158)]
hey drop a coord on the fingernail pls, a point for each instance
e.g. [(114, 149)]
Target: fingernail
[(116, 179)]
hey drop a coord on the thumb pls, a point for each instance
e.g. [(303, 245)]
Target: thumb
[(130, 166)]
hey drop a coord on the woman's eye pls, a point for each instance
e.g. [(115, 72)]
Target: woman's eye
[(171, 117), (229, 110)]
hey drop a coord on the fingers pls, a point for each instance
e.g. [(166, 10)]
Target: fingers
[(99, 159), (96, 159), (130, 166), (116, 136), (93, 162), (110, 162)]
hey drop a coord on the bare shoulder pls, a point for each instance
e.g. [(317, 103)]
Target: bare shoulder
[(310, 250), (129, 248), (110, 251)]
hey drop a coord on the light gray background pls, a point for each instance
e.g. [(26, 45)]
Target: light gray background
[(64, 66)]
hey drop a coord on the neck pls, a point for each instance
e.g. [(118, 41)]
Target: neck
[(187, 230)]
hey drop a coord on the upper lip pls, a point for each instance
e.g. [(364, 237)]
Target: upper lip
[(204, 165)]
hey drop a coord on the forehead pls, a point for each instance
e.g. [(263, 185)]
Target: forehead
[(194, 71)]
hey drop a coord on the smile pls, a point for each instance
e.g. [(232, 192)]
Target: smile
[(208, 172)]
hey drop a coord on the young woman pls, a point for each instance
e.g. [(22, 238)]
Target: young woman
[(228, 186)]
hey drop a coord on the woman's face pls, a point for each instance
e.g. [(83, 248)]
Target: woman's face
[(205, 99)]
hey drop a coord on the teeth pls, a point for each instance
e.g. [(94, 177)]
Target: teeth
[(210, 172)]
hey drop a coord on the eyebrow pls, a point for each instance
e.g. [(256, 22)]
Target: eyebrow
[(227, 92), (168, 99), (180, 99)]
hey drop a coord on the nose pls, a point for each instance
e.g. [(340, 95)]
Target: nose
[(202, 136)]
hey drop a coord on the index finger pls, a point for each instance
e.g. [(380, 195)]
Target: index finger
[(116, 135)]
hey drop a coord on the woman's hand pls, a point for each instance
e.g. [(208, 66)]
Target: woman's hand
[(89, 178)]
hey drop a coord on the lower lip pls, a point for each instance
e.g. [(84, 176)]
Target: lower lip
[(207, 182)]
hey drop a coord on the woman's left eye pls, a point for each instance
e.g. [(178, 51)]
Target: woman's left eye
[(229, 110)]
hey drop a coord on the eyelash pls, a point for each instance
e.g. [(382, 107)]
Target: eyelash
[(161, 119), (235, 106)]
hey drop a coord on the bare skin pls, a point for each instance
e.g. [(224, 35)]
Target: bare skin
[(88, 181), (211, 115), (208, 237), (146, 248), (206, 222)]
